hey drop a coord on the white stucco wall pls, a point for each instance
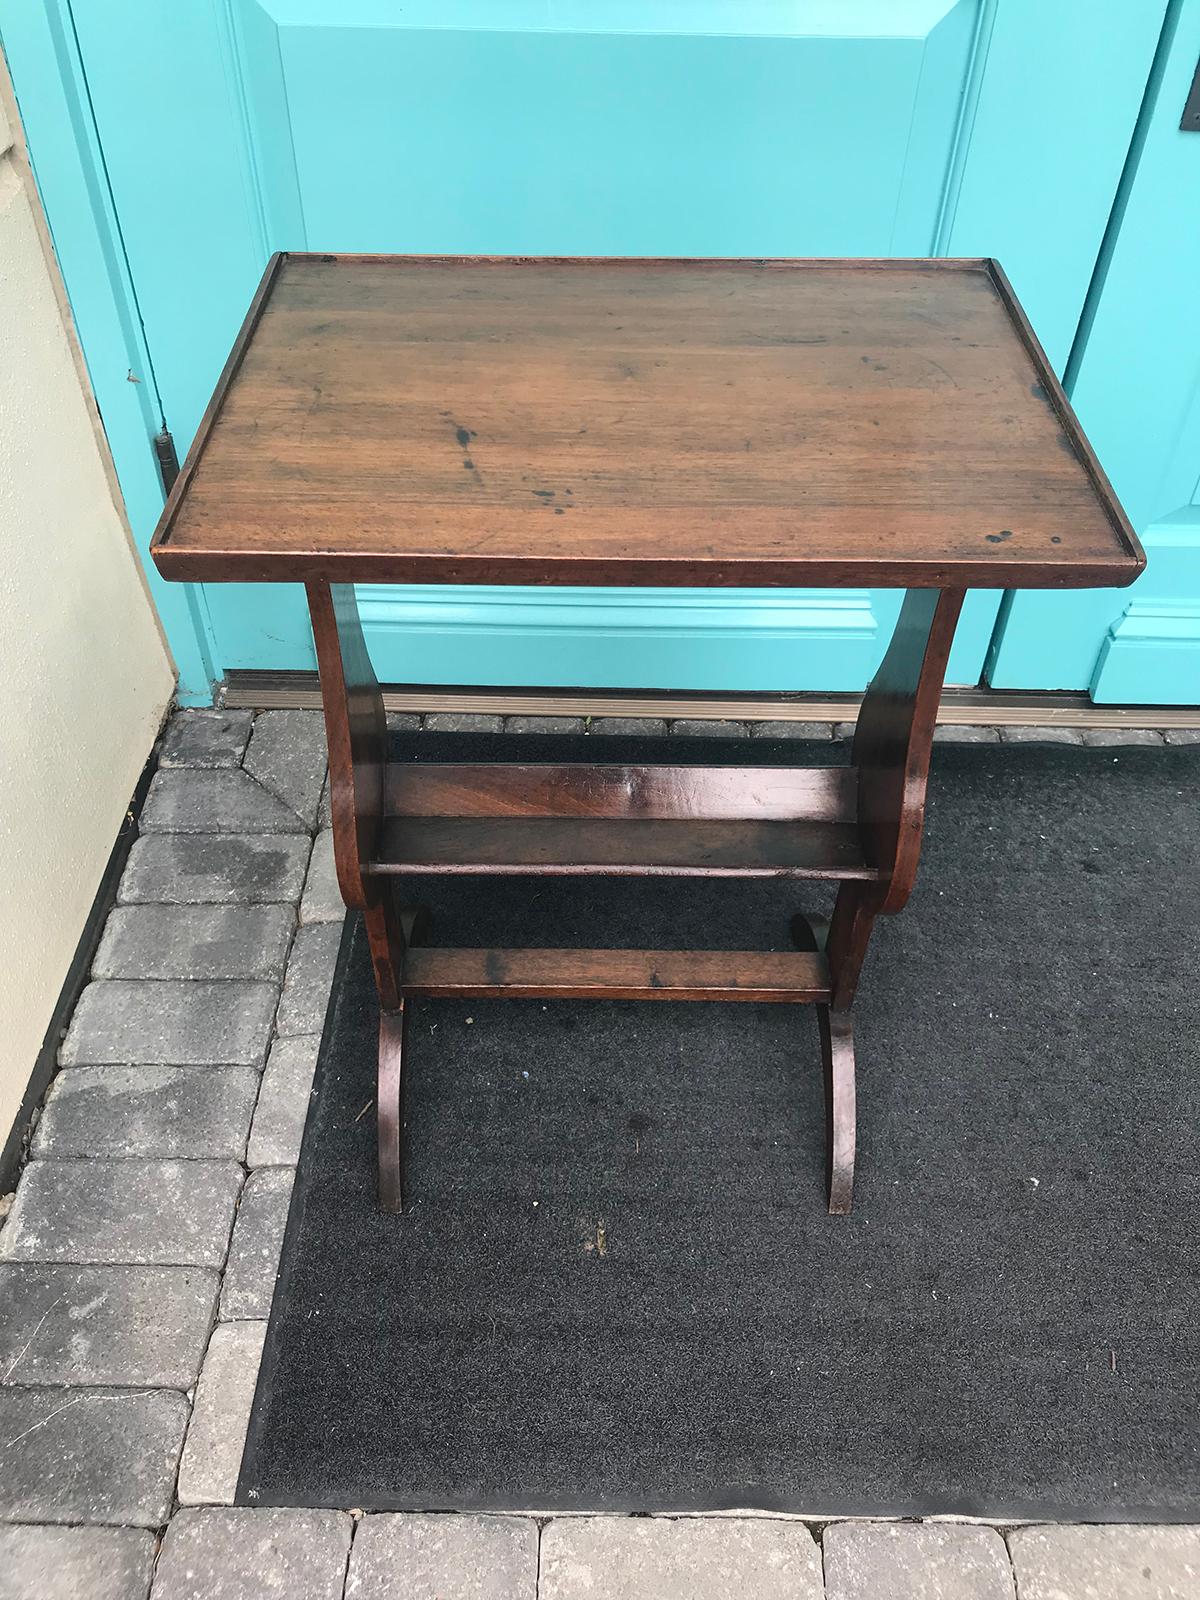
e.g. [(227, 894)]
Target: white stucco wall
[(84, 674)]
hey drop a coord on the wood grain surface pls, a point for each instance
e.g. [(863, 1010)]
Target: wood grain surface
[(641, 422)]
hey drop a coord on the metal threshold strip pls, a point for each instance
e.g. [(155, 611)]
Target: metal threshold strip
[(262, 691)]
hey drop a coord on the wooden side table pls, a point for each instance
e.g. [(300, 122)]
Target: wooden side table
[(541, 421)]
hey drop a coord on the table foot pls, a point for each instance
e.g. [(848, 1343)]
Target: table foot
[(393, 1031), (417, 926), (809, 932), (837, 1056)]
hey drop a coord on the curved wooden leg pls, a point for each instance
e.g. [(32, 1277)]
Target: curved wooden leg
[(417, 926), (837, 1054), (809, 932), (393, 1027)]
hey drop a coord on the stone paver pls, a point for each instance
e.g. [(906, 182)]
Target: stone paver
[(216, 1436), (543, 725), (650, 1558), (964, 733), (89, 1455), (136, 1213), (177, 1024), (1121, 736), (709, 728), (244, 1554), (257, 1241), (915, 1561), (1106, 1563), (206, 739), (163, 941), (214, 802), (844, 730), (651, 727), (462, 722), (169, 1112), (444, 1557), (75, 1563), (283, 1102), (322, 899), (403, 721), (287, 755), (1181, 736), (137, 1327), (309, 979), (779, 729), (1040, 736), (218, 869), (325, 805)]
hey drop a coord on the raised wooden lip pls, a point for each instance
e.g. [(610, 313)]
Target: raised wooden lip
[(233, 564)]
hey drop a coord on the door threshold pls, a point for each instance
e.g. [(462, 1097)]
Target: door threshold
[(995, 708)]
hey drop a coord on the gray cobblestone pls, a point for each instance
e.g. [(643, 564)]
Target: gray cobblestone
[(1181, 736), (164, 941), (658, 1558), (216, 1436), (1121, 736), (543, 724), (206, 739), (964, 733), (444, 1557), (243, 1554), (283, 1100), (89, 1455), (309, 978), (287, 755), (915, 1561), (403, 721), (781, 729), (138, 1213), (257, 1241), (175, 1024), (1106, 1563), (214, 802), (710, 728), (1023, 735), (645, 727), (38, 1563), (462, 722), (225, 869), (322, 900), (134, 1327), (170, 1112)]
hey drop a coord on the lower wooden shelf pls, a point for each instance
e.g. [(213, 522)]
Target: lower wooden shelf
[(798, 977)]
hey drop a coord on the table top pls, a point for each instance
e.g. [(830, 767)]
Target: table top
[(544, 421)]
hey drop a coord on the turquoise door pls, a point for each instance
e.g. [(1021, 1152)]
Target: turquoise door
[(179, 144), (1135, 381)]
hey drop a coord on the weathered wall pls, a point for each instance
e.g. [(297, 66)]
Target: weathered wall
[(84, 674)]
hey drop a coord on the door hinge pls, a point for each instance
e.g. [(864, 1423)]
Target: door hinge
[(1190, 121), (168, 461)]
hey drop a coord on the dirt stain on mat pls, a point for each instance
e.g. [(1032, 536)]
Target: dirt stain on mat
[(595, 1238)]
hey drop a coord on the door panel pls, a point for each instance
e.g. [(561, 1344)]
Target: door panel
[(713, 127), (1135, 382)]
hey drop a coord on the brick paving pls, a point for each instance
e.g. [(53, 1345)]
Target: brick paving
[(138, 1262)]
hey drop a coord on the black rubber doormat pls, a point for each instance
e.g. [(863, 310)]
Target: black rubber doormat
[(617, 1287)]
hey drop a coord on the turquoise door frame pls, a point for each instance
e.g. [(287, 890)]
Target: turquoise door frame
[(1135, 380), (710, 127)]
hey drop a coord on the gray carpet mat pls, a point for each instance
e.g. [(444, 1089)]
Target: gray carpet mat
[(617, 1288)]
